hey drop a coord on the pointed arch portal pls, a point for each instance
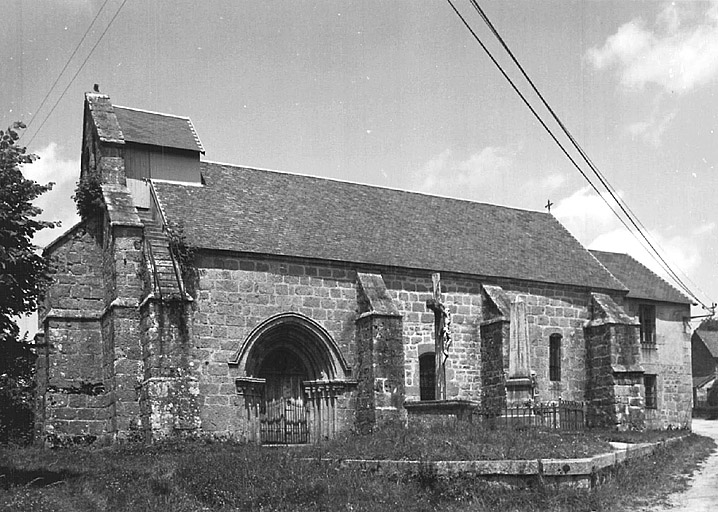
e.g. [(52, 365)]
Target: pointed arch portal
[(293, 371)]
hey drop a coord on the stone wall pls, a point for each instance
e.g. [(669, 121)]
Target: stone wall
[(493, 377), (380, 375), (74, 405), (169, 388), (235, 295), (550, 310), (164, 373), (615, 390), (671, 362)]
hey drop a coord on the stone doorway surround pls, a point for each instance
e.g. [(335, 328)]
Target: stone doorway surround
[(291, 359)]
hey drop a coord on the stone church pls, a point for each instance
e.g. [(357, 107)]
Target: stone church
[(211, 299)]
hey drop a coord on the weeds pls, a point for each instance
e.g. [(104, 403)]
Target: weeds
[(223, 476), (461, 441)]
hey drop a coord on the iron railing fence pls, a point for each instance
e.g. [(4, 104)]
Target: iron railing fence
[(562, 415)]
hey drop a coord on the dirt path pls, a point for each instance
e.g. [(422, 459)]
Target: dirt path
[(702, 496)]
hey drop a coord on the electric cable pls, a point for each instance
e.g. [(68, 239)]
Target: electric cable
[(77, 72), (632, 217), (646, 243), (52, 87)]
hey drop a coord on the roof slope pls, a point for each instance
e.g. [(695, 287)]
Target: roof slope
[(268, 212), (156, 129), (641, 282), (700, 382), (710, 339)]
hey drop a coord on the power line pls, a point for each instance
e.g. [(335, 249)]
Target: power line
[(77, 72), (52, 87), (631, 217), (533, 111)]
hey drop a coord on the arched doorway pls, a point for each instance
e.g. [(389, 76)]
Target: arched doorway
[(291, 372), (283, 410)]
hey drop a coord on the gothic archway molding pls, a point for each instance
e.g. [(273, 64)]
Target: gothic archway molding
[(298, 334)]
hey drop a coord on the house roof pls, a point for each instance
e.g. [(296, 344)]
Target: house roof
[(710, 340), (144, 127), (641, 282), (268, 212), (703, 382)]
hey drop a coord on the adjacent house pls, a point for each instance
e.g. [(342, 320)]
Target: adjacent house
[(664, 317), (704, 354), (701, 388), (704, 350), (220, 300)]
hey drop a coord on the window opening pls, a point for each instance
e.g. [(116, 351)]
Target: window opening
[(647, 318), (554, 364), (427, 376), (650, 383)]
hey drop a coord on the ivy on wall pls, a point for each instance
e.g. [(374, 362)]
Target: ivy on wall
[(184, 254), (88, 197)]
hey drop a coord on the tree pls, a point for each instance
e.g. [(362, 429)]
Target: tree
[(17, 392), (24, 273)]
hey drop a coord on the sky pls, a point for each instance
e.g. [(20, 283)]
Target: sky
[(399, 94)]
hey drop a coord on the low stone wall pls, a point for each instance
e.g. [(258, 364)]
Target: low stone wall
[(582, 473)]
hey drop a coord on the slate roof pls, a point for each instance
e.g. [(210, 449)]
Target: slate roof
[(157, 129), (269, 212), (710, 339), (641, 282), (701, 382)]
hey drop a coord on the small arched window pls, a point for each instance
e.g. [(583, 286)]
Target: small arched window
[(554, 357), (427, 376)]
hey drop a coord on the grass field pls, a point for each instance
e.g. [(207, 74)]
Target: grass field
[(198, 475)]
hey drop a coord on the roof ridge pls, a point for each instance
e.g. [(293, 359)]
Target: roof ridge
[(62, 236), (196, 136), (383, 187), (151, 112), (660, 277), (645, 267)]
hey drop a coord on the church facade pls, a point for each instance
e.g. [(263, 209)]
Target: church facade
[(210, 299)]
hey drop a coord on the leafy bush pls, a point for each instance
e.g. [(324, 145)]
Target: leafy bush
[(17, 392), (88, 196), (183, 253)]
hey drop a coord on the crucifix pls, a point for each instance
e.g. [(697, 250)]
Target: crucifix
[(442, 337), (548, 206)]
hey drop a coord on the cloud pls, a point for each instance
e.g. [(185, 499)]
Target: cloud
[(592, 222), (704, 229), (680, 252), (585, 214), (552, 182), (446, 175), (651, 131), (678, 53), (57, 203), (464, 178)]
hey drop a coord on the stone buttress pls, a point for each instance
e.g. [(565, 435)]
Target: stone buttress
[(380, 354), (615, 376)]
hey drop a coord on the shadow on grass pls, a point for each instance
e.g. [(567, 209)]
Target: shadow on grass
[(14, 477)]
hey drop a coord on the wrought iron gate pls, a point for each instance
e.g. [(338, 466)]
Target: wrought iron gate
[(284, 421)]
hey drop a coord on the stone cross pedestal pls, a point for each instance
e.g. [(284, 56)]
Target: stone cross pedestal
[(519, 385)]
